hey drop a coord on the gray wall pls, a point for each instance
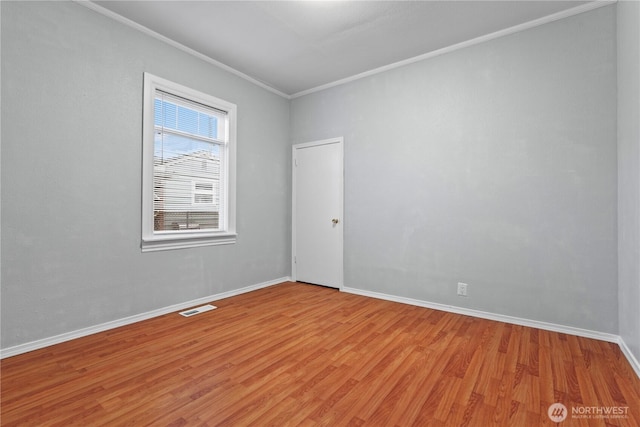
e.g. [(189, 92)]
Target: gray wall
[(493, 165), (629, 172), (71, 174)]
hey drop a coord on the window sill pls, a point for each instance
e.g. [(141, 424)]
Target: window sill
[(170, 242)]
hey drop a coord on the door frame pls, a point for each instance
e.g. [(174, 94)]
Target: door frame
[(337, 140)]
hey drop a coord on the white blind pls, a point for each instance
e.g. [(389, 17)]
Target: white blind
[(189, 144)]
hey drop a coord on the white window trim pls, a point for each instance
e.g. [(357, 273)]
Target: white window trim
[(152, 241)]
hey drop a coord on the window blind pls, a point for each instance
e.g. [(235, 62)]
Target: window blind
[(189, 144)]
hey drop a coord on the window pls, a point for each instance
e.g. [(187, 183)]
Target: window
[(188, 172)]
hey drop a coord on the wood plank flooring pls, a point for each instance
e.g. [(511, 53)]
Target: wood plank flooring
[(303, 355)]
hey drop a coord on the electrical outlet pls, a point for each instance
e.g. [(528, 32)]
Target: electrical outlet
[(462, 289)]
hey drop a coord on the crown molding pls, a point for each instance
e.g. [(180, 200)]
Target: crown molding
[(507, 31), (501, 33), (119, 18)]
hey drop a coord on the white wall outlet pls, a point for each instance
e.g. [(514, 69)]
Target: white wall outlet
[(462, 289)]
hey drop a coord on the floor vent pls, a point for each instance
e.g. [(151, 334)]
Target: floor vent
[(197, 310)]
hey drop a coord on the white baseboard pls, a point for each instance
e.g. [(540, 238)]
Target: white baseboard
[(630, 357), (586, 333), (35, 345), (491, 316)]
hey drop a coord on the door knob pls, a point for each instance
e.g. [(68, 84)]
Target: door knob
[(335, 221)]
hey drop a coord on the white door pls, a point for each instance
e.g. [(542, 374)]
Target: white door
[(317, 212)]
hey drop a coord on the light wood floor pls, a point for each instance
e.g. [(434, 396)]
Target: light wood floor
[(295, 354)]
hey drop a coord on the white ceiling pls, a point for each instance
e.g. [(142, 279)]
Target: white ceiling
[(295, 46)]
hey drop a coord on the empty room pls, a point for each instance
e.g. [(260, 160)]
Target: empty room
[(320, 213)]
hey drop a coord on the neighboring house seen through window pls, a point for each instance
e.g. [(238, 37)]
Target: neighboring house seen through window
[(203, 193), (188, 167)]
